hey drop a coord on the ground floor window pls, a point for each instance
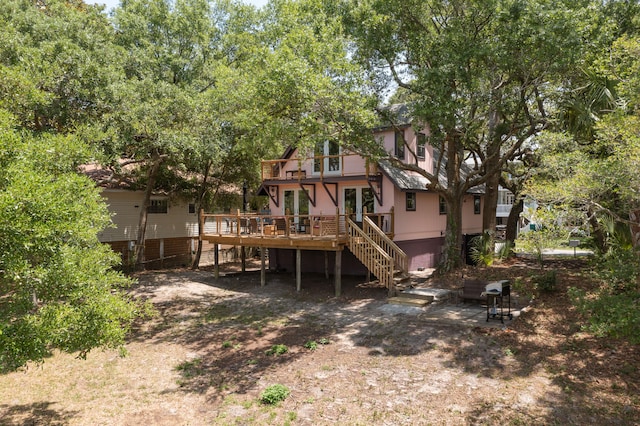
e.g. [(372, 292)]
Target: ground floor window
[(158, 206)]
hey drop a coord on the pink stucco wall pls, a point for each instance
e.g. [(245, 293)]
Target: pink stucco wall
[(387, 138)]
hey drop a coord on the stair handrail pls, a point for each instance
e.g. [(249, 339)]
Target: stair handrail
[(374, 232), (382, 266)]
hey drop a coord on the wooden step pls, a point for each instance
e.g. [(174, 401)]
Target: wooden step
[(408, 301)]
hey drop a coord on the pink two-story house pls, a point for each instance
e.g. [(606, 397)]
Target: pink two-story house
[(333, 200)]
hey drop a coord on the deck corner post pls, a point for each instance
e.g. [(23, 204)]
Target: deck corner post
[(338, 273), (326, 264), (263, 274), (243, 258), (216, 262), (298, 270)]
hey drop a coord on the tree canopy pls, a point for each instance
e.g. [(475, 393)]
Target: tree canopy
[(196, 92), (480, 74)]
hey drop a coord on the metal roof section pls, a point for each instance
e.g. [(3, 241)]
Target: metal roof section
[(404, 180), (407, 180)]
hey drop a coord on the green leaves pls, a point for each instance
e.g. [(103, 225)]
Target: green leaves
[(57, 287)]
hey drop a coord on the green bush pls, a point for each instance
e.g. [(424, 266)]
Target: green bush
[(546, 282), (312, 345), (481, 250), (273, 394), (620, 270), (506, 250), (615, 315), (277, 350)]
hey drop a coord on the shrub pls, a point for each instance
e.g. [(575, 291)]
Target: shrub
[(273, 394), (620, 270), (481, 250), (546, 282), (277, 350), (615, 315), (506, 250), (312, 345)]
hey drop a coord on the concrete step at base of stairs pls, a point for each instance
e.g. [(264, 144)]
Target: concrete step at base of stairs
[(410, 294), (410, 298), (407, 301)]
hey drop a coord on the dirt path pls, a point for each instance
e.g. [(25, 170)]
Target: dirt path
[(204, 360)]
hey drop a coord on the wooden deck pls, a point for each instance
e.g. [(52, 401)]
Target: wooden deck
[(298, 232), (275, 231)]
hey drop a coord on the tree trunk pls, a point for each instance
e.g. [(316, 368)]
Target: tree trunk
[(452, 251), (598, 236), (634, 217), (490, 204), (512, 221), (202, 191), (451, 254), (196, 259), (138, 256), (491, 165)]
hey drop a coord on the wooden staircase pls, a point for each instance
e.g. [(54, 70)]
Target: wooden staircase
[(378, 253)]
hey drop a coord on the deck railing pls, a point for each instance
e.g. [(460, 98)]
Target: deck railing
[(381, 239), (269, 225), (379, 262)]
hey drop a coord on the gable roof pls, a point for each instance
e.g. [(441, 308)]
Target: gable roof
[(397, 115)]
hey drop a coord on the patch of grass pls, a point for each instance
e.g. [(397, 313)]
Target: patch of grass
[(277, 350), (274, 394), (312, 345), (190, 369), (291, 416)]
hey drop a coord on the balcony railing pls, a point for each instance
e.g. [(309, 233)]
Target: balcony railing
[(318, 166)]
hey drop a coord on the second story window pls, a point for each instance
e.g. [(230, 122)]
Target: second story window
[(398, 150), (326, 157), (421, 143), (476, 204)]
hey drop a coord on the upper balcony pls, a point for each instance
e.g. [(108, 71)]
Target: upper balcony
[(318, 168)]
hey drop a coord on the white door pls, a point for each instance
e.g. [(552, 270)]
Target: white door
[(296, 202), (356, 200)]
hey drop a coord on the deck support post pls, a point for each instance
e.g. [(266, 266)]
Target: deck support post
[(326, 264), (243, 258), (298, 269), (263, 274), (216, 262), (338, 273)]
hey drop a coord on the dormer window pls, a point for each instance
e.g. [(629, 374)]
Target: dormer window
[(421, 144), (326, 157), (398, 150)]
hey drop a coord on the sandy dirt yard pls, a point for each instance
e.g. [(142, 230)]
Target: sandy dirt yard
[(214, 345)]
